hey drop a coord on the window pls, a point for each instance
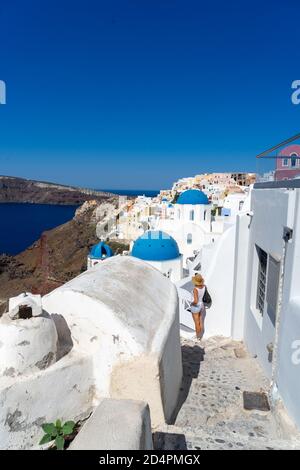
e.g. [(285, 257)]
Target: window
[(241, 203), (294, 160), (189, 238), (285, 162), (273, 287), (204, 215), (261, 279), (191, 215)]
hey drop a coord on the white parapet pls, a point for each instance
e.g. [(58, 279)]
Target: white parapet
[(116, 425), (124, 315), (27, 345)]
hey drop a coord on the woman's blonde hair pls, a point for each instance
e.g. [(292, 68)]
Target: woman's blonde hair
[(198, 280)]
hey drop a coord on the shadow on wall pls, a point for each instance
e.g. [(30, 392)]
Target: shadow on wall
[(64, 338), (192, 356)]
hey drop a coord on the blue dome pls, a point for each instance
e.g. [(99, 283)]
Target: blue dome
[(155, 245), (100, 251), (192, 196)]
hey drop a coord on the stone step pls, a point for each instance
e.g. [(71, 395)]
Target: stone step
[(176, 438), (211, 412)]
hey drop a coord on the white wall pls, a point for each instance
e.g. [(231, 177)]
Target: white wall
[(240, 276), (171, 268), (218, 275), (288, 367), (232, 202), (273, 209), (122, 313), (65, 391), (270, 208)]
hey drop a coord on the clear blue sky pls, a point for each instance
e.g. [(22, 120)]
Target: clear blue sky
[(137, 93)]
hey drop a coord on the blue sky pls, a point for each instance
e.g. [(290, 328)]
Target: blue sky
[(135, 94)]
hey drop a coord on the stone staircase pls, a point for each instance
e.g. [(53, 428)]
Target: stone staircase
[(210, 412)]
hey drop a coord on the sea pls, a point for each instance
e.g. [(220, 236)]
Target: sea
[(22, 224)]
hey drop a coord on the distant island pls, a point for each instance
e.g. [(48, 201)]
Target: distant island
[(19, 190)]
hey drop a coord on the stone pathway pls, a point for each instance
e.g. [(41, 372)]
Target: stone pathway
[(210, 413)]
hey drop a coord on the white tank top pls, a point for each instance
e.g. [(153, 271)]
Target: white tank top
[(200, 296)]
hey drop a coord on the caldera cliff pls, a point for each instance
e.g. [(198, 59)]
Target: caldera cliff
[(58, 256), (19, 190)]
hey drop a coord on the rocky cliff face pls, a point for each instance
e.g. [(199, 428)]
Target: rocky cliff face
[(58, 256), (21, 190)]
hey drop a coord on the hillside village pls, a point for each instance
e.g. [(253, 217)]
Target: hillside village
[(120, 336)]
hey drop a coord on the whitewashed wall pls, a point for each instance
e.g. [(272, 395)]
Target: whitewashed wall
[(124, 314), (272, 210), (288, 372), (218, 274), (240, 276), (172, 268)]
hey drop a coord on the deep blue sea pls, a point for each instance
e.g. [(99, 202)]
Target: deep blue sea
[(22, 224)]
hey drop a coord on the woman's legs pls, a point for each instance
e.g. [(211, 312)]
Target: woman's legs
[(202, 316), (201, 323), (198, 324)]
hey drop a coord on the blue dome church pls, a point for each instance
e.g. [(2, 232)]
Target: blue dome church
[(160, 250), (193, 197), (98, 252), (191, 223), (192, 206)]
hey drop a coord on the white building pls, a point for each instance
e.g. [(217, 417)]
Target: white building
[(191, 222), (233, 204)]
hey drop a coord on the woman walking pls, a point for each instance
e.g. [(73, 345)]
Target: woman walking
[(197, 305)]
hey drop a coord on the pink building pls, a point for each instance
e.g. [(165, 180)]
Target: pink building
[(288, 165)]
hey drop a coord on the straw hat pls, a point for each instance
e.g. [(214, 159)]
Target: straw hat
[(198, 280)]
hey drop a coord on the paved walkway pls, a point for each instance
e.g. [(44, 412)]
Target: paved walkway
[(210, 414)]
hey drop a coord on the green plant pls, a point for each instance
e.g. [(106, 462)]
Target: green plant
[(57, 432)]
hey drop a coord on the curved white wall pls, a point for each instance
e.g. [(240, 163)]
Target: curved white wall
[(218, 271)]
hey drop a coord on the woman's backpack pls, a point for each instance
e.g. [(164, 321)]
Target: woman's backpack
[(207, 301)]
